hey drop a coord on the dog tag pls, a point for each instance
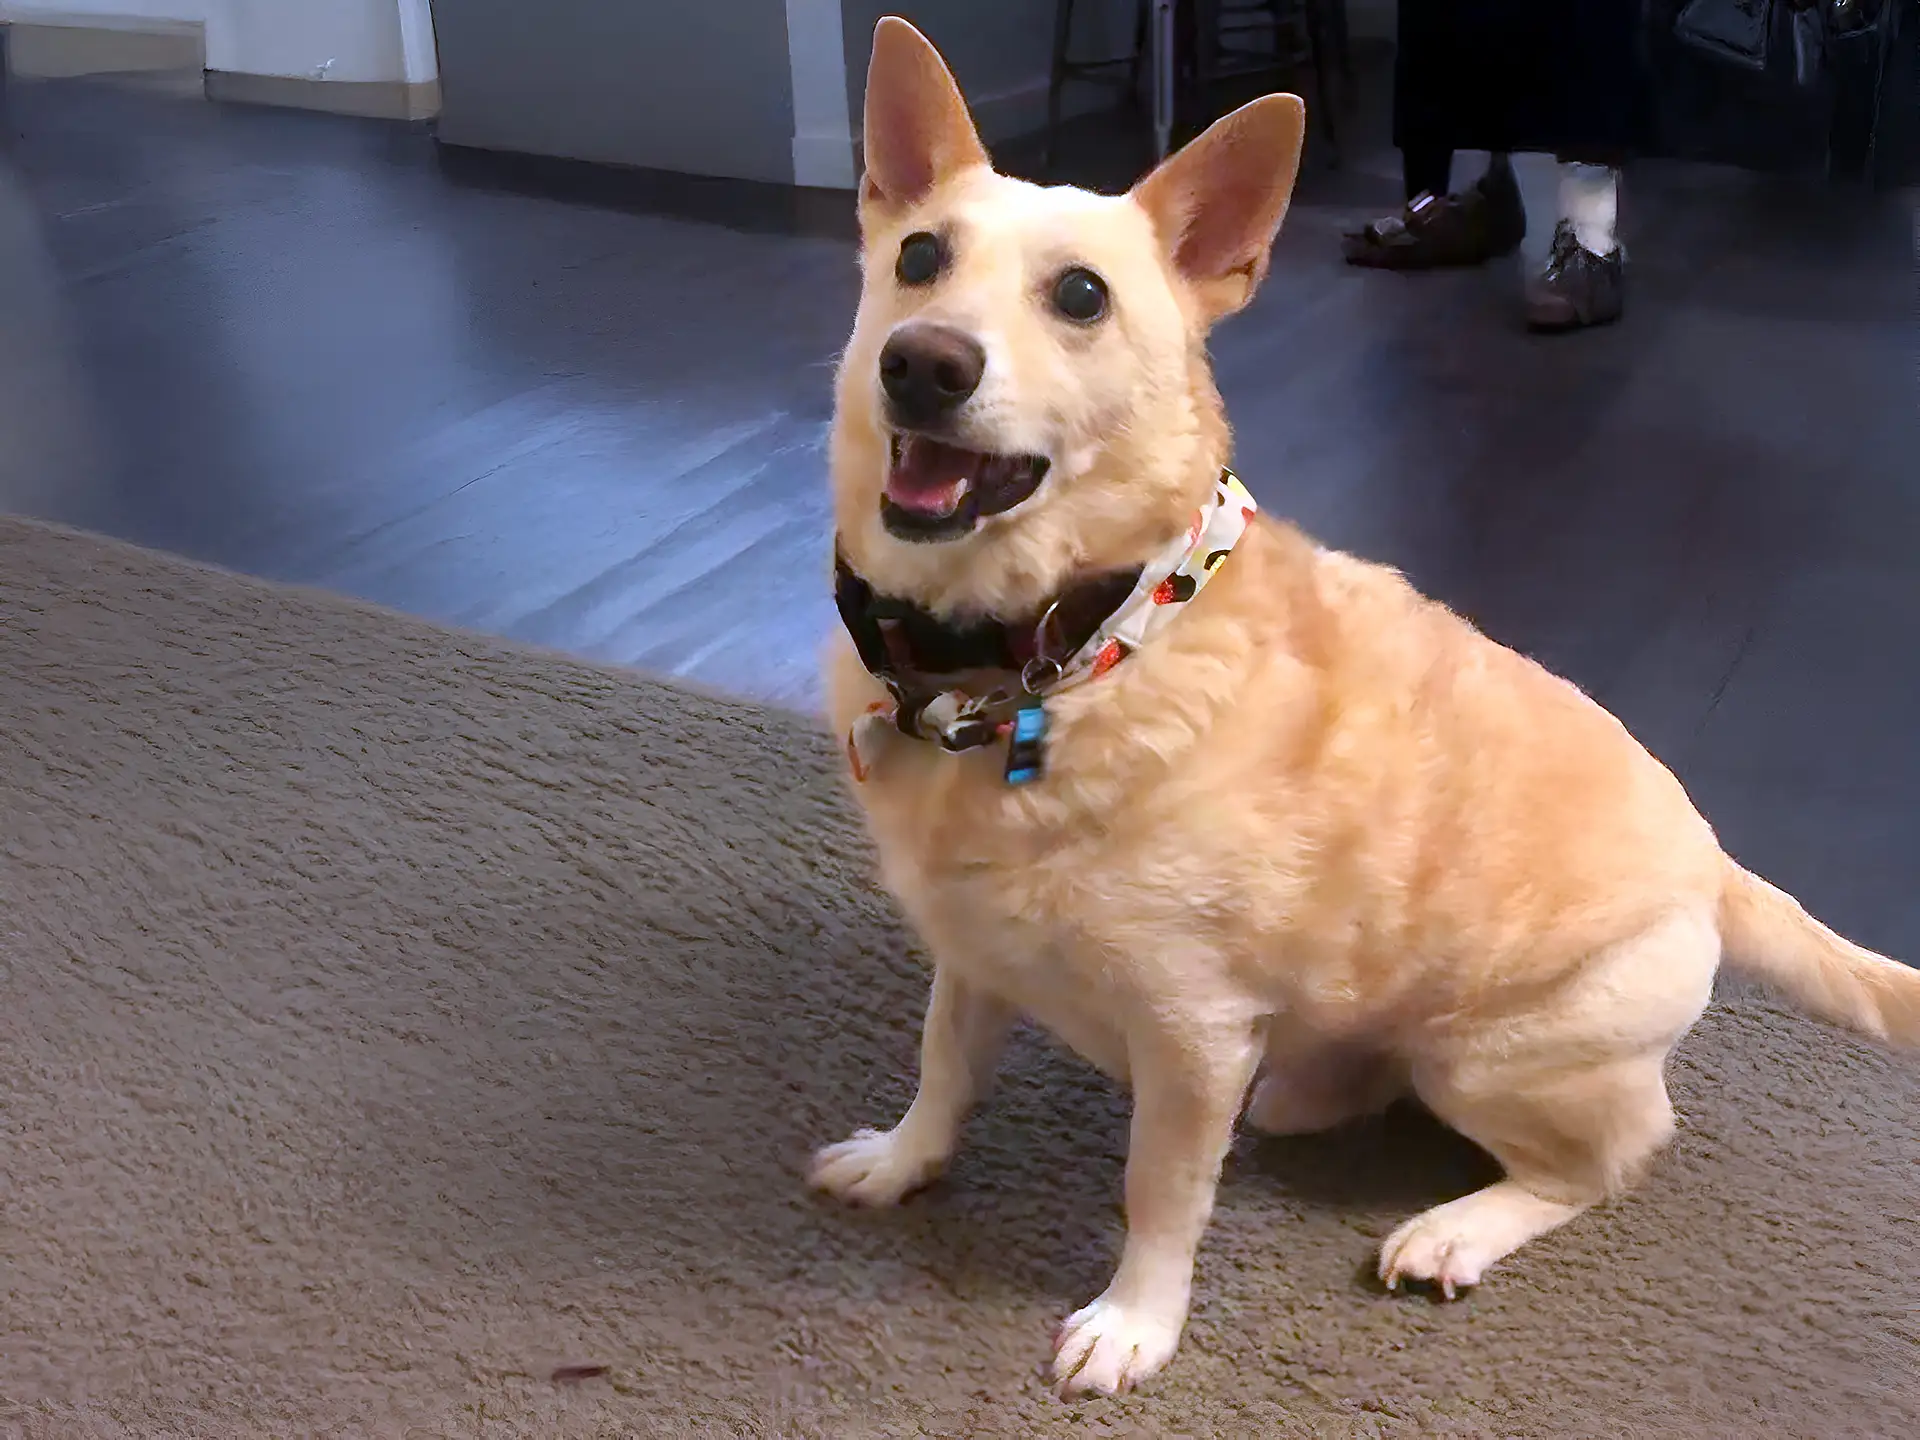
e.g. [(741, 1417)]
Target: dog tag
[(1027, 744), (865, 738)]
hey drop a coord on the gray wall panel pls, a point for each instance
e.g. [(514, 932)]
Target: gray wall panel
[(701, 86)]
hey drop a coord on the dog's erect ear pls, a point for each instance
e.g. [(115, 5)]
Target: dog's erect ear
[(1218, 203), (917, 130)]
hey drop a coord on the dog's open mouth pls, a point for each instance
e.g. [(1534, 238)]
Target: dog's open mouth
[(937, 491)]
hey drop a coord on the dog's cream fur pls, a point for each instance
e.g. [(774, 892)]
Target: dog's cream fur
[(1320, 834)]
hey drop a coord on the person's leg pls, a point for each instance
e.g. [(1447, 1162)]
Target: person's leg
[(1584, 280), (1437, 77), (1586, 102), (1590, 201), (1440, 229), (1428, 170)]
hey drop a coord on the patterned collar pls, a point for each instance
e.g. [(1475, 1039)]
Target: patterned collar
[(1081, 635)]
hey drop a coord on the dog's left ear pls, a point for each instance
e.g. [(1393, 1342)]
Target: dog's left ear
[(917, 130), (1218, 203)]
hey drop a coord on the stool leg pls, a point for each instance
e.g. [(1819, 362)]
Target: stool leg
[(1206, 59), (1323, 76), (1343, 44), (1142, 45), (1165, 77), (1057, 78)]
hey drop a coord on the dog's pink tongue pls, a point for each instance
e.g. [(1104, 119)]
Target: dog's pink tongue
[(929, 477)]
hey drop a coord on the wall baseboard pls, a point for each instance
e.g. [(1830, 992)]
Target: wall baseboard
[(370, 99), (52, 47)]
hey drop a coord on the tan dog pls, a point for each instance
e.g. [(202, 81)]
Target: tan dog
[(1314, 830)]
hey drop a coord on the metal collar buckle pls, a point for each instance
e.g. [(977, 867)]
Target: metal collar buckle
[(1044, 670)]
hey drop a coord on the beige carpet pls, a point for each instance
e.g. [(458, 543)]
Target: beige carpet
[(392, 1017)]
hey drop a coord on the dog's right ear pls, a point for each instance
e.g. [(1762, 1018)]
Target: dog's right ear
[(917, 131), (1218, 203)]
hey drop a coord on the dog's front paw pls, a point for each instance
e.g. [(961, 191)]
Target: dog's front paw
[(1108, 1347), (875, 1167)]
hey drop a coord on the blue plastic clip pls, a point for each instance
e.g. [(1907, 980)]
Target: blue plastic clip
[(1027, 745)]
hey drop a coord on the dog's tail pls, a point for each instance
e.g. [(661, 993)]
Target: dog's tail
[(1768, 935)]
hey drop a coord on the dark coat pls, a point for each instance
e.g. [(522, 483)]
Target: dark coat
[(1563, 77)]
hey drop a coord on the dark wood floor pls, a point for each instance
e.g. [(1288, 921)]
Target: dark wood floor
[(299, 347)]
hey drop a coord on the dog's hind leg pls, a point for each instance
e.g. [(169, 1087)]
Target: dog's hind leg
[(1573, 1104), (960, 1045), (1565, 1146)]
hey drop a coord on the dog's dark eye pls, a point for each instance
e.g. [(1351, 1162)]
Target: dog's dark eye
[(1080, 295), (922, 258)]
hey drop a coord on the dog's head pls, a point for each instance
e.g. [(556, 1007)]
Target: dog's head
[(1026, 395)]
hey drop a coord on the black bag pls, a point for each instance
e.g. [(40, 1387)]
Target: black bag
[(1783, 37), (1731, 30)]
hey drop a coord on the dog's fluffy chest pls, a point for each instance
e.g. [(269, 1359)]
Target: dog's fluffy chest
[(1070, 904), (1039, 941)]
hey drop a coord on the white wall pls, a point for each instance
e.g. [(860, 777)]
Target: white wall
[(306, 39), (106, 10), (376, 40), (822, 129), (418, 61)]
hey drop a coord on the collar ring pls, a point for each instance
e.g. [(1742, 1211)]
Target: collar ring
[(1039, 673)]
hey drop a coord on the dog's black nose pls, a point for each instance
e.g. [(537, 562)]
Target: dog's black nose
[(928, 371)]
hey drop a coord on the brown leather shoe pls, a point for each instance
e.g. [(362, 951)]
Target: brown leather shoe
[(1577, 288), (1437, 231)]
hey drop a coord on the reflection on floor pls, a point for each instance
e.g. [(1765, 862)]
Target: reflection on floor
[(296, 346)]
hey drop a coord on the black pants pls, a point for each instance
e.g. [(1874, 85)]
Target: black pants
[(1560, 77)]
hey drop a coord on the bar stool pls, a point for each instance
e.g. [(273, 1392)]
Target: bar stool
[(1237, 38), (1215, 40), (1122, 70)]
